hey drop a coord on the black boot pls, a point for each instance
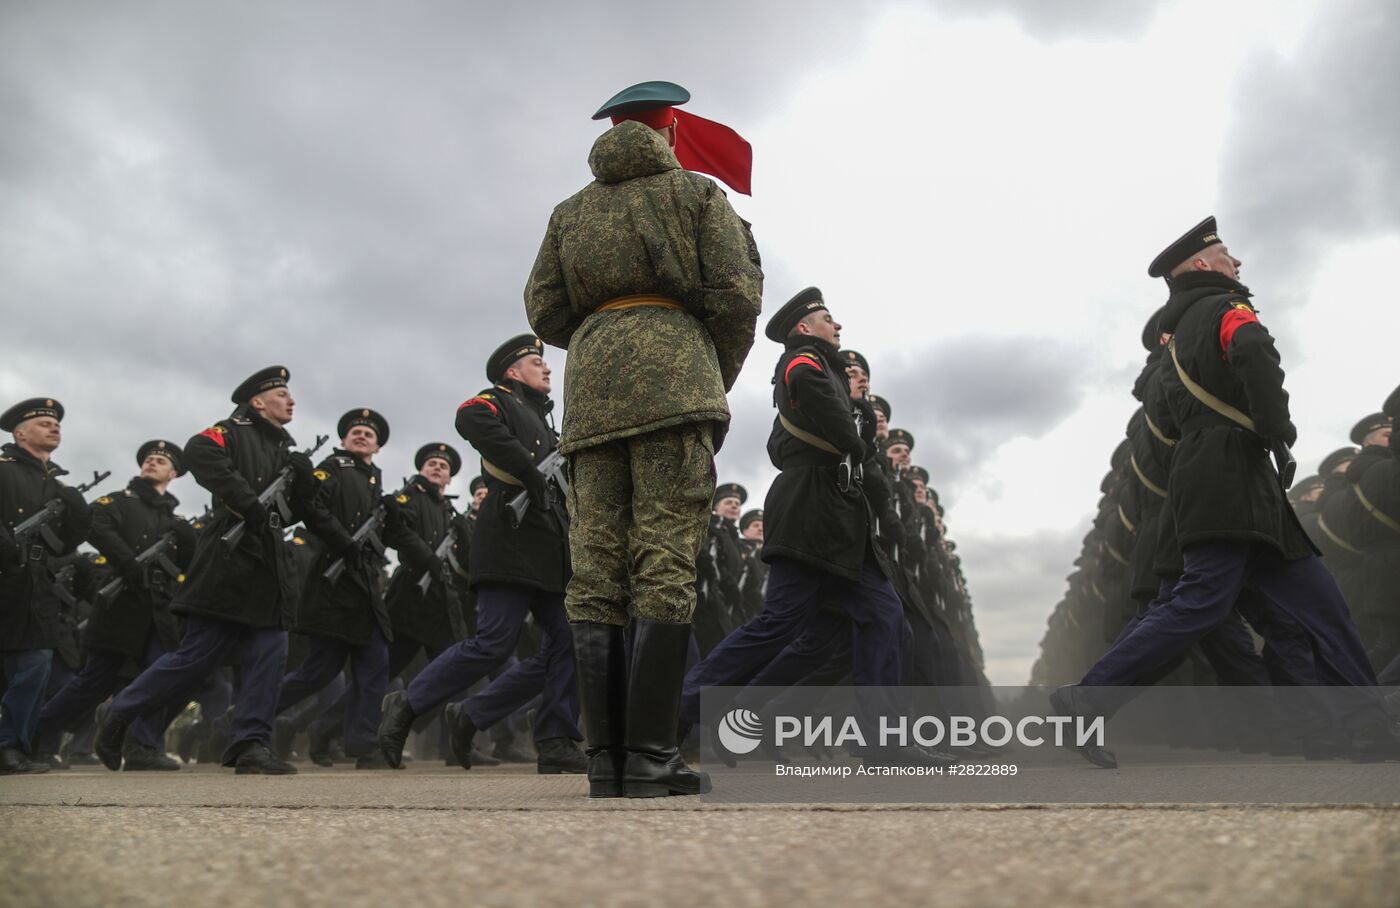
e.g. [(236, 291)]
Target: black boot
[(654, 766), (600, 663), (14, 762), (143, 759), (318, 741), (559, 755), (283, 731), (1073, 700), (461, 731), (394, 725), (258, 760), (108, 742)]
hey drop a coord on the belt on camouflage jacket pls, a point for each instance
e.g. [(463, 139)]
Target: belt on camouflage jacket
[(500, 474), (634, 300)]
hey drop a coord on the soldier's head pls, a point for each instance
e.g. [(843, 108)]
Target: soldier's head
[(532, 372), (265, 394), (34, 424), (805, 315), (751, 525), (478, 493), (1199, 249), (520, 359), (819, 324), (650, 103), (918, 478), (858, 371), (1372, 430), (729, 498), (898, 445), (160, 462), (437, 462), (362, 433), (275, 406), (1337, 462), (882, 416), (1305, 490)]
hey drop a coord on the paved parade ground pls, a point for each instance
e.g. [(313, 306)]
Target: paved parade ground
[(431, 835)]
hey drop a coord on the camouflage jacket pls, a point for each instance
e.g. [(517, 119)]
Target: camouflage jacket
[(645, 226)]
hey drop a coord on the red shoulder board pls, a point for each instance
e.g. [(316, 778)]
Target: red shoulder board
[(480, 400), (1238, 315), (801, 359), (215, 434)]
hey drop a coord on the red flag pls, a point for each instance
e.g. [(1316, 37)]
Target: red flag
[(709, 147)]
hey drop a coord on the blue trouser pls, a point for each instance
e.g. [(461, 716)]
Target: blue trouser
[(1228, 647), (262, 657), (501, 609), (26, 676), (1215, 576), (870, 605), (369, 678), (97, 680)]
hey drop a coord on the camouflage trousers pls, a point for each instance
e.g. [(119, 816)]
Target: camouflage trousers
[(638, 510)]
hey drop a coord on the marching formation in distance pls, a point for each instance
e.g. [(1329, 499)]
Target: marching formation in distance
[(1197, 540), (600, 579), (564, 593)]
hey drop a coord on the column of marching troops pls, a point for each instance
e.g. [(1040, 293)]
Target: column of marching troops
[(1203, 564), (1345, 508), (560, 602)]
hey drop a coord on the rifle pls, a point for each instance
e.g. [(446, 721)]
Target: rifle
[(556, 473), (60, 587), (1284, 462), (369, 530), (272, 494), (39, 524), (850, 471), (445, 552), (156, 552)]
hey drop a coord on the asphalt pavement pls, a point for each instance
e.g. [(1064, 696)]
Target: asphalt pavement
[(432, 835)]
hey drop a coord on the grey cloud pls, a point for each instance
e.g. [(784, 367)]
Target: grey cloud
[(1311, 153), (962, 398), (1014, 581)]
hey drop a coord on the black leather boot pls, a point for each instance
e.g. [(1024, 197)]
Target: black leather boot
[(600, 663), (318, 740), (1075, 700), (108, 741), (394, 725), (461, 732), (654, 767), (559, 755)]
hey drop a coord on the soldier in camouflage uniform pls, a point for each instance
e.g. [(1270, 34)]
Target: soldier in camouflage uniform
[(652, 282)]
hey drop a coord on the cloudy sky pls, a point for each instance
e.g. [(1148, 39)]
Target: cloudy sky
[(190, 191)]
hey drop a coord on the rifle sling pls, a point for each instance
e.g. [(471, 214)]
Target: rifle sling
[(1374, 511), (500, 474), (1142, 477), (815, 441), (1322, 525), (1207, 398)]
